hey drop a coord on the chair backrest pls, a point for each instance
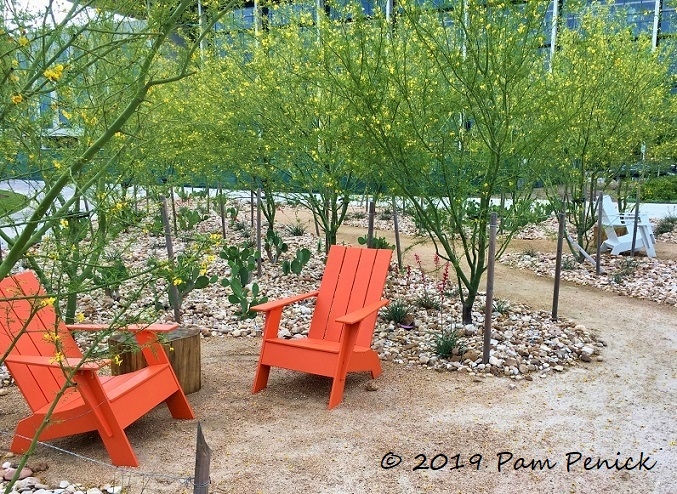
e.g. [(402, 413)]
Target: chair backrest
[(353, 278), (29, 327), (610, 214)]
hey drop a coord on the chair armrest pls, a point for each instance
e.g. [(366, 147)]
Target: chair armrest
[(132, 328), (51, 362), (643, 218), (613, 219), (268, 306), (360, 314)]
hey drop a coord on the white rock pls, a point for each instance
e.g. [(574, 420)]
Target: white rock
[(496, 362)]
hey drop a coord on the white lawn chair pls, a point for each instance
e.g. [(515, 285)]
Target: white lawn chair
[(612, 219)]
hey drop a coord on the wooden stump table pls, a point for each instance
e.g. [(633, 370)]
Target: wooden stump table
[(182, 347)]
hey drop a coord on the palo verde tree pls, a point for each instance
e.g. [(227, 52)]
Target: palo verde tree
[(46, 60), (445, 102), (75, 85), (611, 90), (301, 131)]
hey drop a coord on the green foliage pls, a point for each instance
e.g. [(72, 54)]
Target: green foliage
[(396, 311), (626, 269), (156, 227), (187, 218), (75, 104), (10, 202), (296, 265), (188, 271), (617, 77), (244, 297), (666, 224), (248, 243), (447, 340), (298, 229), (530, 252), (110, 276), (376, 243), (428, 301), (242, 262), (524, 213), (123, 216), (240, 226), (274, 246), (660, 189), (385, 215), (501, 306), (569, 262), (231, 212)]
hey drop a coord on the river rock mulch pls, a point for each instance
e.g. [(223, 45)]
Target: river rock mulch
[(524, 342), (642, 277)]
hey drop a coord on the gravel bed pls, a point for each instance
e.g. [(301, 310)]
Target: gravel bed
[(524, 342)]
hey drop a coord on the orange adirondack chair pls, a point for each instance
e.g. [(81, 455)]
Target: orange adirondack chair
[(342, 326), (95, 403)]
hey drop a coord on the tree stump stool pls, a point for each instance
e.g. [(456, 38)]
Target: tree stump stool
[(620, 230), (182, 347)]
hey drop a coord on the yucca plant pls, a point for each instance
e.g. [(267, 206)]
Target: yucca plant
[(396, 311)]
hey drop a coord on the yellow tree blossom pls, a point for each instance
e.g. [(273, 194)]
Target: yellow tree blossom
[(54, 74)]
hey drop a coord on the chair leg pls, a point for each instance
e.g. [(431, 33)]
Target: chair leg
[(23, 436), (179, 407), (119, 448), (374, 365), (261, 378), (336, 395), (107, 423)]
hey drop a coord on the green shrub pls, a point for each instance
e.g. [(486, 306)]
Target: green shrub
[(376, 243), (274, 246), (530, 251), (447, 340), (296, 265), (569, 262), (242, 264), (513, 218), (626, 269), (427, 301), (386, 215), (396, 311), (501, 306), (298, 229), (660, 189), (666, 225), (188, 218)]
